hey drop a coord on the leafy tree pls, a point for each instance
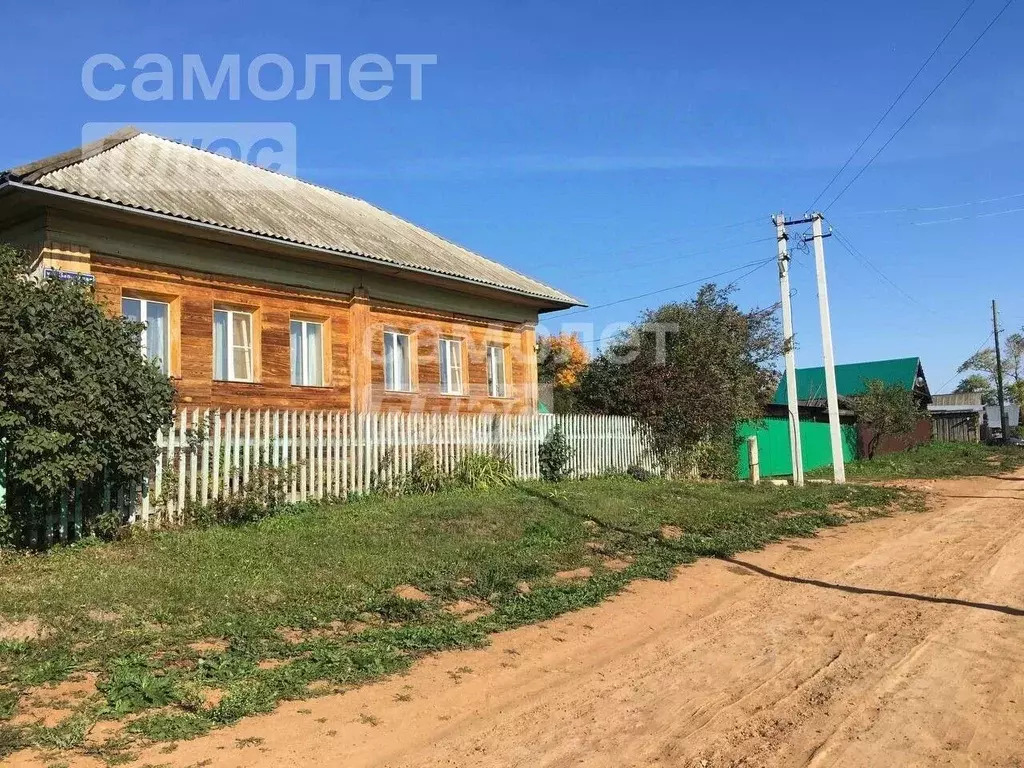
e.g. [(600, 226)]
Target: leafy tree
[(690, 371), (889, 409), (978, 383), (554, 454), (77, 399), (1013, 366), (560, 361)]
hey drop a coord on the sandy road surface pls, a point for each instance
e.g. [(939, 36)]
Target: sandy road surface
[(889, 643)]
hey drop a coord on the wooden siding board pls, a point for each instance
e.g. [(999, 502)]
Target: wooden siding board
[(351, 323)]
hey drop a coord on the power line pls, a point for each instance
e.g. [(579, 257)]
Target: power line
[(892, 106), (850, 248), (967, 218), (651, 244), (704, 252), (929, 208), (756, 264), (978, 351), (921, 104), (734, 282)]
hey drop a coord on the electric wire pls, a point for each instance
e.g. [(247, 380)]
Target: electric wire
[(892, 106), (757, 264), (921, 104)]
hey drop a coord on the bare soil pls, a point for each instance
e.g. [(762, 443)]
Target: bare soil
[(893, 642)]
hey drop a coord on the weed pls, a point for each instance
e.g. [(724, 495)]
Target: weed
[(554, 455), (173, 726), (134, 685), (367, 719), (68, 734), (8, 704), (248, 741), (403, 697), (934, 460), (321, 565)]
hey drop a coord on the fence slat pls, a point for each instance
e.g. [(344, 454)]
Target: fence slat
[(182, 442)]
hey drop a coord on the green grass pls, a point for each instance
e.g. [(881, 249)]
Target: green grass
[(129, 610), (934, 460)]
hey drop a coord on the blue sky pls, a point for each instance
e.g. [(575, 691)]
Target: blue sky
[(605, 147)]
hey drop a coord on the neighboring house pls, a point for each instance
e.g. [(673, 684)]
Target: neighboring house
[(260, 290), (851, 380), (773, 431), (993, 429), (957, 417)]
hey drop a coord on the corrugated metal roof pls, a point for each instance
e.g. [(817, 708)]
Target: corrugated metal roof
[(851, 378), (151, 173)]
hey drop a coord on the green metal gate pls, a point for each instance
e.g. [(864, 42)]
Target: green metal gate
[(774, 450)]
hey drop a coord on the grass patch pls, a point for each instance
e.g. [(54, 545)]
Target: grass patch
[(315, 589), (933, 460)]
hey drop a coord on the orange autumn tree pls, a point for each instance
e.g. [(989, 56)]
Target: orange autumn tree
[(561, 359)]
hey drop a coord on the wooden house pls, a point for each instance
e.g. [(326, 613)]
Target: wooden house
[(259, 290)]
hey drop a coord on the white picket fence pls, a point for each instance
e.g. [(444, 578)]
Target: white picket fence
[(212, 454)]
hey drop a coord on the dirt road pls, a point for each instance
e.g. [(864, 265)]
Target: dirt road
[(895, 642)]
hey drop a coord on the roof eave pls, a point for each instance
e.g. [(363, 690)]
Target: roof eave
[(542, 303)]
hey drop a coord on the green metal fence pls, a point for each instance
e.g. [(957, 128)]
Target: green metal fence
[(774, 450)]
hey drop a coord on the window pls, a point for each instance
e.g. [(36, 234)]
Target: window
[(155, 340), (495, 370), (450, 352), (397, 362), (232, 345), (307, 353)]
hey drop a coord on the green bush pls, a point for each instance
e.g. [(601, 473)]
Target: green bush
[(482, 470), (639, 473), (78, 402), (425, 476), (264, 495), (554, 455)]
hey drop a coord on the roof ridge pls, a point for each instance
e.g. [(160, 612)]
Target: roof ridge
[(353, 198), (32, 172), (410, 246)]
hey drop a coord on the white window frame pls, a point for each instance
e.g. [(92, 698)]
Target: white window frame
[(497, 386), (408, 362), (165, 365), (307, 356), (230, 341), (453, 363)]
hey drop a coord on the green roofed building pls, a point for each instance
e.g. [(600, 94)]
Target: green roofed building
[(852, 378), (773, 431)]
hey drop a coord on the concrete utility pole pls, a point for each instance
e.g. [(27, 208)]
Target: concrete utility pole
[(999, 374), (838, 465), (789, 351)]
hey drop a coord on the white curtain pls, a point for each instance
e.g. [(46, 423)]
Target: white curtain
[(241, 328), (314, 354), (298, 363), (220, 345), (156, 333)]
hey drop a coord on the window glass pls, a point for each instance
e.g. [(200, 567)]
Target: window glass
[(397, 362), (155, 339), (307, 353), (496, 370), (450, 355), (220, 345), (232, 345)]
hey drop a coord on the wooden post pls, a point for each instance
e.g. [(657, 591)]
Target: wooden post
[(753, 460)]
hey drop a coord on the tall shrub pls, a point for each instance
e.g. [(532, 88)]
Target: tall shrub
[(690, 371), (78, 402), (888, 409), (554, 455)]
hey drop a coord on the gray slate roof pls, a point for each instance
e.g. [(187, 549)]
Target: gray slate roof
[(146, 172)]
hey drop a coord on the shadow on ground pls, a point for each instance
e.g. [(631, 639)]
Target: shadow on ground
[(1009, 610)]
